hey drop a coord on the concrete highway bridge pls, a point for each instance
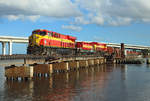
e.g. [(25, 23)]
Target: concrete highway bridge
[(11, 39), (129, 46)]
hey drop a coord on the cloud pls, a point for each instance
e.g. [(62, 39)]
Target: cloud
[(81, 20), (16, 17), (98, 19), (72, 27), (115, 12), (119, 21), (32, 9), (99, 12)]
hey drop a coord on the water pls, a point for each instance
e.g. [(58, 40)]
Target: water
[(103, 83)]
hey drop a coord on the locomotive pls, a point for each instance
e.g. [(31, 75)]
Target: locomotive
[(44, 42)]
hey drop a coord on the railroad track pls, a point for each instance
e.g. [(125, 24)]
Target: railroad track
[(24, 56), (47, 57)]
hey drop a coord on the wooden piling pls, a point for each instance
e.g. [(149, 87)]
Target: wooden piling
[(62, 66), (148, 61), (83, 63), (13, 73), (43, 69), (73, 65), (90, 62)]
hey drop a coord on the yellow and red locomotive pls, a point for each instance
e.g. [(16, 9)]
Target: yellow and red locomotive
[(48, 43)]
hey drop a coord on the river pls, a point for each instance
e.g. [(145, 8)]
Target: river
[(99, 83)]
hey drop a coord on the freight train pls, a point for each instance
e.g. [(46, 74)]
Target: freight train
[(44, 42)]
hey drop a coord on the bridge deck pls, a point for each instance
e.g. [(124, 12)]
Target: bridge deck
[(23, 59)]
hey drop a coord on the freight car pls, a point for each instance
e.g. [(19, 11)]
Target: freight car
[(91, 48), (84, 48), (115, 52), (46, 42), (99, 48)]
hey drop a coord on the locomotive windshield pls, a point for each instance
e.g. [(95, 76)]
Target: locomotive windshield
[(39, 32)]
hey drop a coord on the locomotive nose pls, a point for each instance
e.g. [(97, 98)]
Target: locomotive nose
[(32, 40)]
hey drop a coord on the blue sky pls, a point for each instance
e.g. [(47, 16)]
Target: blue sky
[(116, 21)]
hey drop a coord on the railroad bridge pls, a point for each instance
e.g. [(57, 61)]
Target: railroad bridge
[(25, 66)]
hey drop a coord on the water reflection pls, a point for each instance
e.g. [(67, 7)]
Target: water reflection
[(17, 91), (105, 82)]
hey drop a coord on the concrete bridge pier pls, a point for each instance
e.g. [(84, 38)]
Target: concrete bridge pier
[(3, 48), (10, 47)]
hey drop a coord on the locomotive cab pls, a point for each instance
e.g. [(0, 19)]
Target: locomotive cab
[(36, 36)]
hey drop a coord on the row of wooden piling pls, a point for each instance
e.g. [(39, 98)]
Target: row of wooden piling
[(46, 70), (126, 61)]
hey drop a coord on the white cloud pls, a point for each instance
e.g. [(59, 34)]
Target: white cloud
[(99, 12), (116, 12), (98, 19), (16, 9), (16, 17), (12, 17), (81, 20), (119, 21), (72, 27)]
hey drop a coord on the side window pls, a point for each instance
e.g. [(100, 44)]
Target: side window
[(56, 35), (52, 34), (48, 33)]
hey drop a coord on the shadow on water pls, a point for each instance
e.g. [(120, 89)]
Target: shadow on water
[(105, 83)]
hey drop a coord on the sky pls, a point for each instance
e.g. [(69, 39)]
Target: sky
[(115, 21)]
